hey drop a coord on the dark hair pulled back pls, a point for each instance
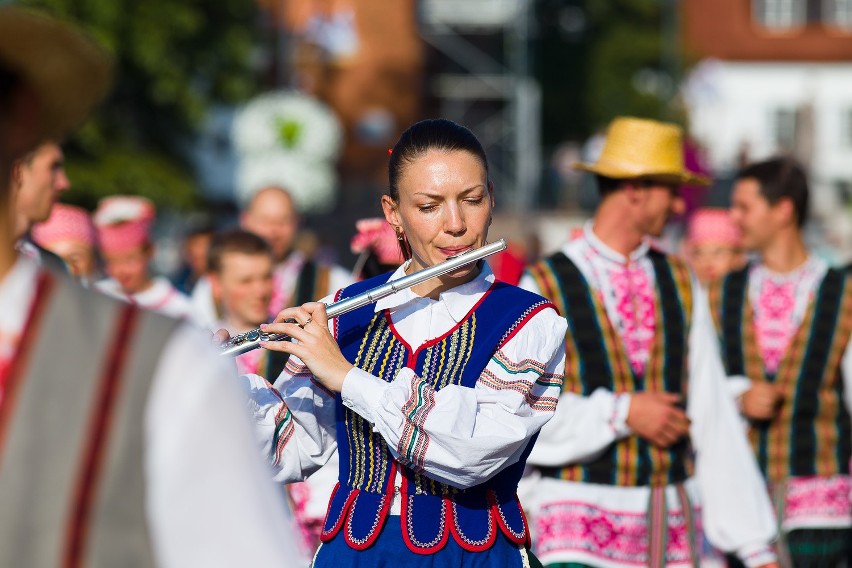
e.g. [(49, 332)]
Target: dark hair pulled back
[(431, 134)]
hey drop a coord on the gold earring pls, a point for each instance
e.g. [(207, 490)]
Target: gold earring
[(404, 247)]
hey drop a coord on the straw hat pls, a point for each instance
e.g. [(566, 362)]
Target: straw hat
[(640, 148), (67, 72)]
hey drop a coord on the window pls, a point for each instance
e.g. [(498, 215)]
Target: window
[(780, 14), (784, 129), (838, 13)]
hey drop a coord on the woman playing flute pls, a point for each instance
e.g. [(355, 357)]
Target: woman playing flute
[(432, 396)]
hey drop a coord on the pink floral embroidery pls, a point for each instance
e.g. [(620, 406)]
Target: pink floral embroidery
[(819, 498), (635, 303), (612, 536), (774, 321)]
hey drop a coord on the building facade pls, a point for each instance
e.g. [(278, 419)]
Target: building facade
[(773, 77)]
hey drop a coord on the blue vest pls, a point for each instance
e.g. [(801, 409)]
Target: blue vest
[(431, 510)]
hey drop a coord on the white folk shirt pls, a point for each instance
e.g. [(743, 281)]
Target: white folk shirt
[(779, 303), (727, 486), (477, 432), (160, 297), (209, 500)]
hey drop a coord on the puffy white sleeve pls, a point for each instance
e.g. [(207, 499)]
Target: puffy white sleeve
[(464, 436), (206, 482), (294, 419), (738, 516), (583, 426)]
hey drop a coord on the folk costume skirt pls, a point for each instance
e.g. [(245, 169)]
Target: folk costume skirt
[(390, 551)]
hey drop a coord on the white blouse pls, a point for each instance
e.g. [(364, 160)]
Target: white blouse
[(473, 433), (737, 514)]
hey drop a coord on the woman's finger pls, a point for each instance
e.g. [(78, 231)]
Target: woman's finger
[(221, 336), (297, 313), (316, 311), (294, 330)]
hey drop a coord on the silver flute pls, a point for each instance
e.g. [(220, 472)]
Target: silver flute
[(249, 340)]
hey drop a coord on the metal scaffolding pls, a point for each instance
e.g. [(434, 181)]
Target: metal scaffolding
[(481, 78)]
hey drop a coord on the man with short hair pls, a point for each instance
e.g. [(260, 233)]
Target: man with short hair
[(297, 278), (785, 323), (37, 181), (646, 446), (123, 438), (272, 214), (240, 272)]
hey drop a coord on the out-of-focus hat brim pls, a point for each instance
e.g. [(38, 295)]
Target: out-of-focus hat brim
[(67, 71), (614, 171)]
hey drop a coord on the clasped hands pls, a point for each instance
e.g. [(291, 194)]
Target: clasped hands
[(656, 417)]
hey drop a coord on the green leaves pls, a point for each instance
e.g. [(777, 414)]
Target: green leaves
[(174, 59)]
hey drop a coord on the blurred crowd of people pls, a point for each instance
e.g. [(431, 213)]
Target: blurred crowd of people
[(610, 404)]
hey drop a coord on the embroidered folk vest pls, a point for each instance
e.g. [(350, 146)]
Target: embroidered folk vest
[(596, 358), (810, 435), (431, 510), (71, 431)]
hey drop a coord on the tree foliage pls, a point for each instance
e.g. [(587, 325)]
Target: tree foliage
[(174, 58), (619, 58)]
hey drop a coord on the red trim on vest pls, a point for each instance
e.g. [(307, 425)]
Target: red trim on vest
[(10, 382), (413, 353), (381, 517), (334, 326), (97, 438), (524, 539), (403, 522), (326, 536), (462, 541), (524, 321)]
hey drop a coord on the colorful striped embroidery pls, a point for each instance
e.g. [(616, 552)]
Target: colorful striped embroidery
[(811, 433), (596, 358), (536, 401), (284, 429), (414, 440)]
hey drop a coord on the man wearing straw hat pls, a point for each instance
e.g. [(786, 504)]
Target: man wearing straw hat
[(646, 447), (785, 323), (122, 441)]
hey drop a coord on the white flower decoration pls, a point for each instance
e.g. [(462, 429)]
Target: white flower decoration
[(287, 121)]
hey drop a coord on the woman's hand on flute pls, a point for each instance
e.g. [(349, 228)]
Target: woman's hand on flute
[(314, 344)]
